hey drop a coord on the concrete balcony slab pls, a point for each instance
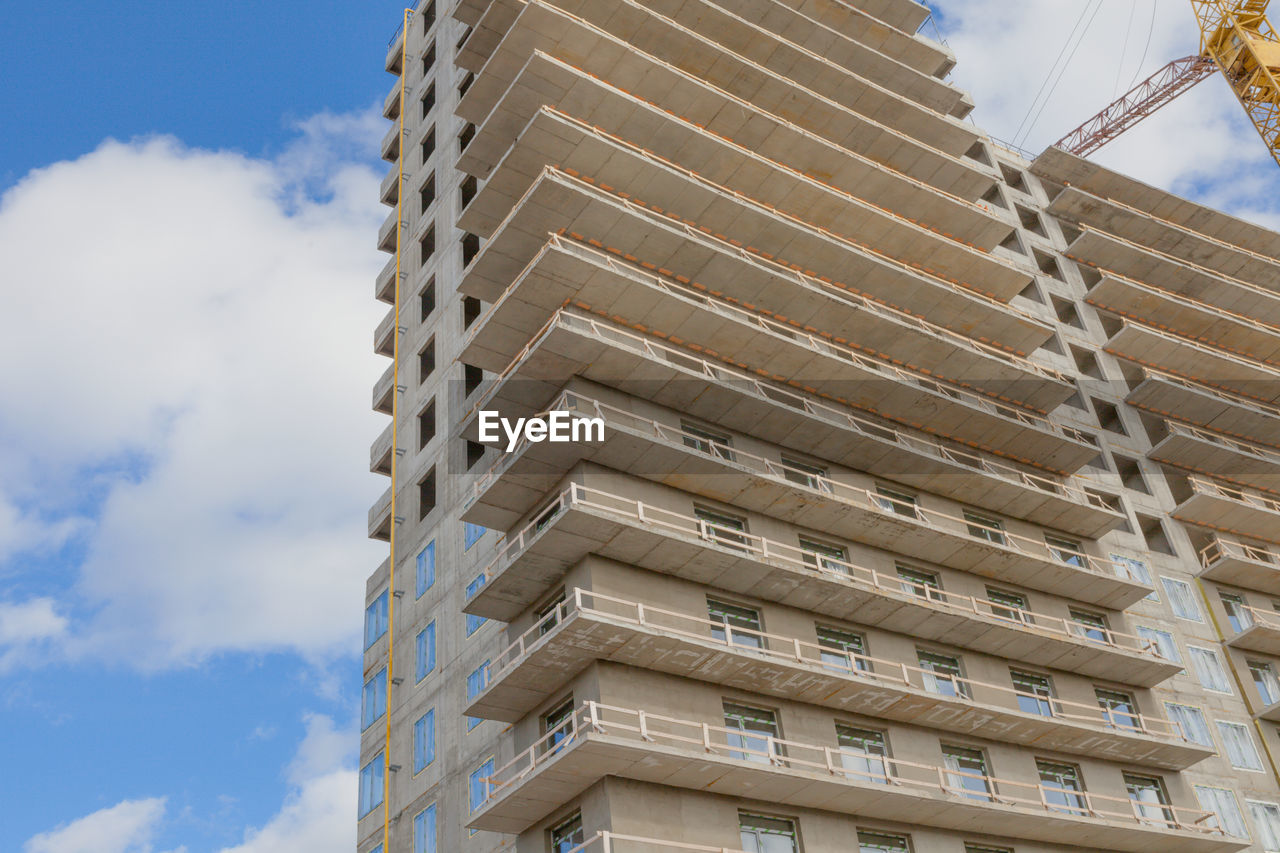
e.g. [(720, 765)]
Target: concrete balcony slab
[(1240, 564), (380, 517), (1190, 402), (1197, 362), (1262, 635), (1223, 507), (1204, 452)]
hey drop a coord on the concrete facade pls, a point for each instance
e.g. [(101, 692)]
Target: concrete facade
[(938, 505)]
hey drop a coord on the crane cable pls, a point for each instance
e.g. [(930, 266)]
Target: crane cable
[(1124, 47), (1066, 65), (1151, 28), (1052, 68)]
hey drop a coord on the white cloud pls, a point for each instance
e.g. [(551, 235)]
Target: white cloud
[(127, 827), (28, 626), (185, 365)]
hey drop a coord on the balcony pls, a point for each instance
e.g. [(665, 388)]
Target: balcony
[(559, 203), (389, 189), (382, 390), (601, 740), (390, 146), (383, 340), (1194, 403), (388, 236), (1197, 362), (1233, 510), (380, 517), (731, 190), (1238, 564), (566, 271), (583, 520), (591, 626), (380, 453), (1259, 631), (384, 287), (1195, 449)]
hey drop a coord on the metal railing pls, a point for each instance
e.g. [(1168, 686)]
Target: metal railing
[(1256, 451), (1223, 549), (782, 648), (1244, 361), (1233, 494), (843, 765), (1233, 399), (612, 842), (664, 521)]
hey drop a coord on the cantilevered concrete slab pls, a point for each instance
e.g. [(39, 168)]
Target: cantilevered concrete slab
[(1232, 510), (1205, 452), (1190, 402), (1197, 362), (1263, 637), (1238, 564)]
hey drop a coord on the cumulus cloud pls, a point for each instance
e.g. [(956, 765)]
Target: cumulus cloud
[(185, 365), (1202, 145), (127, 827)]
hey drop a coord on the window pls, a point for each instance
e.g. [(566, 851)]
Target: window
[(1035, 693), (1063, 791), (899, 503), (1090, 626), (466, 83), (471, 534), (753, 732), (1238, 746), (474, 622), (557, 726), (1162, 642), (1182, 599), (428, 100), (706, 441), (983, 527), (427, 425), (472, 376), (547, 616), (429, 59), (1238, 613), (721, 527), (1150, 802), (372, 782), (879, 842), (470, 311), (476, 683), (465, 137), (843, 650), (429, 145), (1223, 804), (427, 300), (942, 674), (426, 361), (762, 834), (427, 494), (375, 619), (739, 626), (480, 784), (1264, 678), (1119, 710), (427, 246), (832, 558), (863, 753), (979, 848), (1136, 571), (1266, 820), (424, 830), (373, 699), (426, 574), (424, 741), (1191, 721), (1065, 551), (967, 772), (475, 452), (467, 191), (1008, 605), (806, 474), (1209, 669), (568, 835), (426, 646), (427, 195), (920, 583)]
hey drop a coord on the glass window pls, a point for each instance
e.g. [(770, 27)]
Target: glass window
[(1008, 605), (1119, 710), (1150, 802), (706, 441), (1091, 626), (984, 527), (1223, 804), (968, 772), (894, 501), (424, 741), (568, 835), (1162, 641), (372, 778), (375, 620), (373, 699), (547, 617), (942, 674), (424, 830), (1066, 551), (806, 474), (476, 683), (474, 622), (1191, 721), (843, 650), (1266, 820), (1061, 786), (1238, 746), (863, 753), (920, 583), (1264, 678), (979, 848), (1238, 613), (753, 732), (721, 527), (880, 842), (1209, 669), (557, 726), (737, 625), (471, 534), (832, 558), (426, 568), (479, 787), (762, 834), (1182, 599), (1035, 692), (1136, 571), (426, 642)]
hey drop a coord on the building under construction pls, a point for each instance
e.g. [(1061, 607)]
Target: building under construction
[(937, 493)]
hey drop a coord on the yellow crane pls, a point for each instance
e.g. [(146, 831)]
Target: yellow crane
[(1236, 39)]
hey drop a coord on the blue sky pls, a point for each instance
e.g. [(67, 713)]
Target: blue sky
[(188, 216)]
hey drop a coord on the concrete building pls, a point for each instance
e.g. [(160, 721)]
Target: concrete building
[(935, 496)]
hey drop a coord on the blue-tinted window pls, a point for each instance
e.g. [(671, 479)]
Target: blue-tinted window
[(474, 622), (372, 777), (424, 830), (424, 741), (426, 567), (480, 784), (373, 701), (375, 620), (476, 682), (426, 651), (471, 534)]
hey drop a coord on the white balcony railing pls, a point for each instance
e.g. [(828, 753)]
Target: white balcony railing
[(1258, 452), (1225, 549), (1233, 494)]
